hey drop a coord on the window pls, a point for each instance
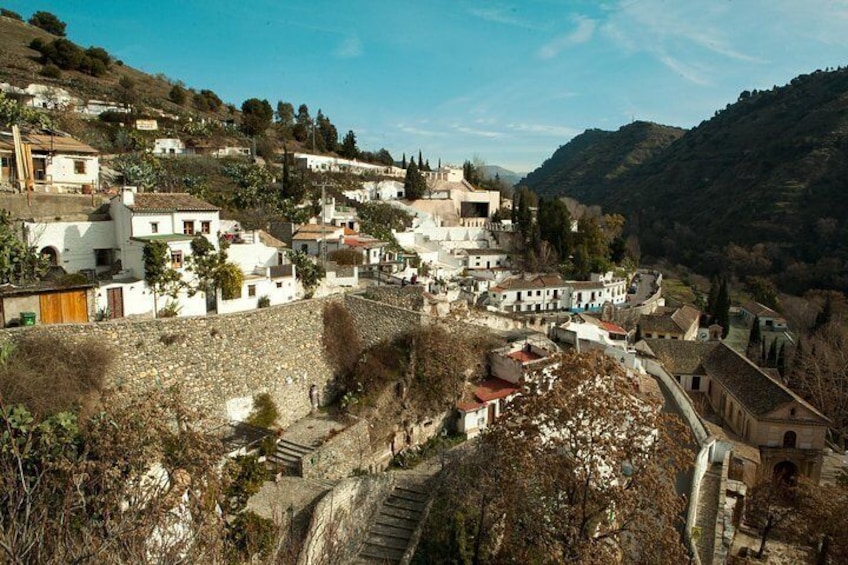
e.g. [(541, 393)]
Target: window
[(538, 293), (188, 227), (79, 167), (789, 439), (154, 227), (251, 290), (696, 383), (279, 284), (103, 257), (177, 259), (205, 227)]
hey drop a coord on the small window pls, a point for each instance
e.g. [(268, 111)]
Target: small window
[(696, 383), (154, 227), (279, 284), (188, 228), (205, 227), (251, 290), (79, 167), (103, 257), (177, 259)]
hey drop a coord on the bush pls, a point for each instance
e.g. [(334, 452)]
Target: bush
[(48, 375), (48, 22), (51, 71), (264, 413), (11, 14), (341, 338), (251, 535), (263, 302), (71, 279)]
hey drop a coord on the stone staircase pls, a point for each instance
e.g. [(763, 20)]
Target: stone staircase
[(400, 515), (707, 512), (286, 458)]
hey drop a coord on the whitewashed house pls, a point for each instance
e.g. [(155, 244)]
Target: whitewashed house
[(539, 293), (60, 163), (169, 147), (592, 294), (485, 258)]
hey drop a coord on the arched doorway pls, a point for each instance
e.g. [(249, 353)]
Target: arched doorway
[(786, 472), (51, 255), (789, 439)]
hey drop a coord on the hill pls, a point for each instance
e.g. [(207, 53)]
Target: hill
[(589, 166), (21, 66), (757, 190), (509, 177)]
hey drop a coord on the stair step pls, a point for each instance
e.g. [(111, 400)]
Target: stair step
[(382, 554), (395, 502), (295, 446), (391, 531), (402, 513), (398, 523), (388, 542), (406, 495), (292, 450)]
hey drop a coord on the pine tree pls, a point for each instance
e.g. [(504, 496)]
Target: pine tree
[(403, 161), (420, 161)]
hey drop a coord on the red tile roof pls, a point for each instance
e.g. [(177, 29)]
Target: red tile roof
[(613, 328), (494, 388), (469, 406)]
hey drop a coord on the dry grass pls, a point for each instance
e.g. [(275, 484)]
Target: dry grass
[(49, 375)]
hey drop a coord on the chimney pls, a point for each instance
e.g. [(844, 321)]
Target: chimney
[(128, 195)]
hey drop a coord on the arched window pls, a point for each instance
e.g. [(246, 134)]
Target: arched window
[(50, 255), (789, 439)]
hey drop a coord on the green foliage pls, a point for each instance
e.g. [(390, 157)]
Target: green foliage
[(436, 445), (160, 277), (251, 537), (67, 55), (229, 278), (50, 71), (19, 264), (177, 95), (264, 413), (244, 477), (307, 271), (48, 22), (171, 309), (11, 14), (256, 116), (71, 279), (263, 302), (414, 184), (755, 336), (12, 113), (380, 218), (349, 150)]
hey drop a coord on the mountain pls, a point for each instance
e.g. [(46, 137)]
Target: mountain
[(590, 165), (757, 190), (509, 177)]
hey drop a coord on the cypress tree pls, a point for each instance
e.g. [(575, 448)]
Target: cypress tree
[(781, 361), (713, 297), (403, 161), (823, 318), (420, 161), (723, 308), (755, 336), (772, 354), (763, 355)]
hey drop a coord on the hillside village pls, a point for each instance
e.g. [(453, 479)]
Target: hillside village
[(366, 344)]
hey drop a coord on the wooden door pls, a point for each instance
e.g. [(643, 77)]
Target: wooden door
[(64, 307), (491, 415), (115, 300)]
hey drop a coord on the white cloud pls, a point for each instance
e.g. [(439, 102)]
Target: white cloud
[(583, 33), (418, 131), (500, 15), (350, 48), (544, 129), (478, 132)]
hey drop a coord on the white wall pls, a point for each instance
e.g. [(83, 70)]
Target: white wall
[(138, 300), (74, 242), (61, 169), (286, 292)]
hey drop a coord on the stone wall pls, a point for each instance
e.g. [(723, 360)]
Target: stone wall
[(341, 519), (214, 358), (378, 322), (410, 297), (340, 455)]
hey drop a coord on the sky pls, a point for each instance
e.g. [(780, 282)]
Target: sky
[(506, 83)]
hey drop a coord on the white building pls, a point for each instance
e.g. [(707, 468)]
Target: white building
[(327, 164), (539, 293), (381, 190), (485, 258), (169, 146), (591, 295), (59, 164)]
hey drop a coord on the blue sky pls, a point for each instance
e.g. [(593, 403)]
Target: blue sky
[(506, 82)]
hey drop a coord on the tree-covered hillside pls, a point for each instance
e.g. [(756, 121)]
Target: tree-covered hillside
[(757, 190)]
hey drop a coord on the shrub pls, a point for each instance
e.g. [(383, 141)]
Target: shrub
[(263, 302), (48, 22), (229, 280), (51, 71), (264, 413), (251, 535), (170, 310), (11, 14), (48, 375), (341, 338)]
